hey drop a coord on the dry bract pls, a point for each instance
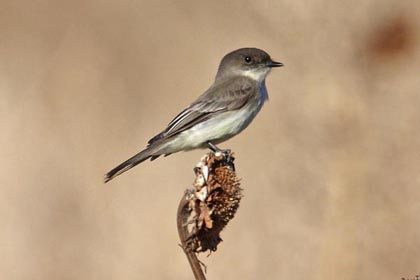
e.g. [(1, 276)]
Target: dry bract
[(215, 201)]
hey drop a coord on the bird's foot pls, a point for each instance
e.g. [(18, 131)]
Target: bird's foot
[(226, 153), (215, 149)]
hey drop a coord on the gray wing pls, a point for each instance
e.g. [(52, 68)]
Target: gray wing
[(228, 95)]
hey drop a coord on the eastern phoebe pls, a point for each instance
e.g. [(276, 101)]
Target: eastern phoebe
[(221, 112)]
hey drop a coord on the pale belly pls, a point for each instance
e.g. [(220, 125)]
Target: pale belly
[(217, 129)]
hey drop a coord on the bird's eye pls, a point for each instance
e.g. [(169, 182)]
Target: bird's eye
[(248, 59)]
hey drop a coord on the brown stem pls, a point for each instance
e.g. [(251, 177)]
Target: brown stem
[(182, 223)]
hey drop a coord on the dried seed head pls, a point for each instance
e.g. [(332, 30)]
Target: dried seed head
[(216, 200)]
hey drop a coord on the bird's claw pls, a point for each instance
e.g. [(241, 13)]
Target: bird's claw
[(226, 153)]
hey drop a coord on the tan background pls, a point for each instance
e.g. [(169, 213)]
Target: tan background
[(330, 167)]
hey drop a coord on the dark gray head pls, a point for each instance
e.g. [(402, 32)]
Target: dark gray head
[(251, 62)]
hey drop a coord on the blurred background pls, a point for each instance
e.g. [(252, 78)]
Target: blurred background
[(330, 166)]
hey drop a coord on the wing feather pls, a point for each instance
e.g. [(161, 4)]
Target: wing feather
[(224, 96)]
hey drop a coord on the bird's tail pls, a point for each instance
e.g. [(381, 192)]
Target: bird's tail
[(130, 163)]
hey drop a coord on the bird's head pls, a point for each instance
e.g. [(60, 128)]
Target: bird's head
[(251, 62)]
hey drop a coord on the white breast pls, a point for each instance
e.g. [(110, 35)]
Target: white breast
[(218, 128)]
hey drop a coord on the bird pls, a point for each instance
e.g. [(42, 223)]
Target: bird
[(221, 112)]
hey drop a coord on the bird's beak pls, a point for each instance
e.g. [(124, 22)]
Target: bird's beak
[(275, 64)]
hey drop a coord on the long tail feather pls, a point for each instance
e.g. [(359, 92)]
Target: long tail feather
[(128, 164)]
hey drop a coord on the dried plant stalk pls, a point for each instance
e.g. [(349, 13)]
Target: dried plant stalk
[(207, 207)]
